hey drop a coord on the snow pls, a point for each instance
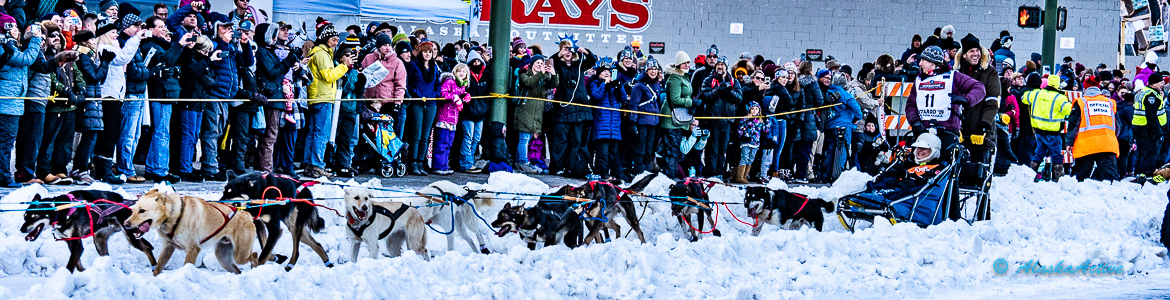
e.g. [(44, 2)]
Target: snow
[(1114, 223)]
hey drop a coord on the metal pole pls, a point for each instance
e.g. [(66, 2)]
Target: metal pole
[(1048, 54), (499, 36)]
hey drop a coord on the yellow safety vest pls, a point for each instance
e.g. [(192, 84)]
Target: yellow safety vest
[(1048, 109), (1139, 107)]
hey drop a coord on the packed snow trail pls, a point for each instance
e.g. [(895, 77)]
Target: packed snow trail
[(1111, 223)]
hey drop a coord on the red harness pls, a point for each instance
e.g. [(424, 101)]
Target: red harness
[(89, 213), (802, 205), (226, 219)]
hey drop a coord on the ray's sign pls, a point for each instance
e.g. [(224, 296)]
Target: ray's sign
[(631, 16)]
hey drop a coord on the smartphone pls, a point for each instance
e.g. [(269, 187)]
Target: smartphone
[(74, 21), (236, 34), (35, 27), (224, 54), (193, 38)]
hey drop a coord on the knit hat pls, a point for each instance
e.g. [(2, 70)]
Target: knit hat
[(350, 40), (1068, 59), (1009, 63), (625, 53), (325, 29), (5, 19), (700, 60), (382, 39), (745, 55), (402, 47), (823, 73), (969, 42), (838, 79), (933, 54), (129, 20), (105, 4), (1105, 76), (1093, 91), (400, 37), (1033, 80), (847, 70), (680, 58), (1006, 41), (722, 60), (474, 55), (1054, 81), (1092, 81), (1155, 77), (83, 36), (780, 73), (517, 41), (47, 16), (713, 50), (651, 63), (636, 43)]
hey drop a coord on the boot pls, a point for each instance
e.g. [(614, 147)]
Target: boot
[(1057, 172), (740, 175), (103, 170)]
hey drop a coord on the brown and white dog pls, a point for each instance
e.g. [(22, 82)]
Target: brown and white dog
[(373, 221), (190, 224)]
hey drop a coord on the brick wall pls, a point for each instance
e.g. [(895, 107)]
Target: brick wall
[(853, 31)]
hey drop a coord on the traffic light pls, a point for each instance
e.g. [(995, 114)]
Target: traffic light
[(1030, 17), (1061, 18)]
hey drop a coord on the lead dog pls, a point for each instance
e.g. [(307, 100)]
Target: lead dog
[(779, 207), (373, 221), (190, 224), (300, 217), (452, 212), (72, 224)]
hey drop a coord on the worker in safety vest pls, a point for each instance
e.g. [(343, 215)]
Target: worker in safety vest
[(1049, 107), (1093, 135), (1147, 105)]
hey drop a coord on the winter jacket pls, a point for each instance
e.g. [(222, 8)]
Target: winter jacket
[(456, 95), (750, 131), (697, 77), (530, 113), (93, 72), (162, 70), (14, 75), (226, 71), (423, 82), (326, 73), (67, 83), (847, 113), (607, 124), (136, 72), (981, 118), (197, 78), (477, 109), (175, 20), (572, 87), (678, 94), (115, 84), (864, 98), (1124, 118), (964, 86), (40, 84), (806, 122), (646, 98), (721, 97), (270, 71), (394, 85)]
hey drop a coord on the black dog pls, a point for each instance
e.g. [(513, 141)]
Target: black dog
[(778, 207), (261, 185), (551, 220), (608, 201), (688, 198), (73, 224)]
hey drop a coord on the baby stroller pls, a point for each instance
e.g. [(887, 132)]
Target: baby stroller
[(945, 195), (380, 149)]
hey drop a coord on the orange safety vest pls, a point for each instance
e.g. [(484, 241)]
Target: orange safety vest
[(1097, 133)]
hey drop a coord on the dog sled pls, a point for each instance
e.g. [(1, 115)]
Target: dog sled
[(958, 192)]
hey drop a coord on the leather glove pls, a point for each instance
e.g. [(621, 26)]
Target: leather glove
[(918, 128), (959, 99), (977, 139), (107, 55)]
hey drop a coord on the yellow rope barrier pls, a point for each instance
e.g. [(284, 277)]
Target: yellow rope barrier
[(492, 96)]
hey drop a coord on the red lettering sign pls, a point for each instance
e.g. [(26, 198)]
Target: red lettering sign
[(620, 15)]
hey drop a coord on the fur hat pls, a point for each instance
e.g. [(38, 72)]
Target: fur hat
[(947, 29), (83, 36), (680, 58)]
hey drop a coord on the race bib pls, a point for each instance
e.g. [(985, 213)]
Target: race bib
[(933, 97), (1099, 108)]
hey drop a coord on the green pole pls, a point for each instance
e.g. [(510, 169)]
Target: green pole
[(499, 36), (1048, 53)]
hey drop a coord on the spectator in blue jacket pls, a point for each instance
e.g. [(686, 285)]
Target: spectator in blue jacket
[(14, 83), (225, 58), (604, 91), (841, 117), (645, 98)]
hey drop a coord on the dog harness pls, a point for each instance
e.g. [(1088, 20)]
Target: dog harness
[(378, 210), (101, 214), (802, 205)]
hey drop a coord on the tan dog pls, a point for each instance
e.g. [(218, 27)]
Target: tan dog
[(189, 223), (372, 221)]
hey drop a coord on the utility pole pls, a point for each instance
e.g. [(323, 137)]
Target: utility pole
[(499, 36), (1048, 54)]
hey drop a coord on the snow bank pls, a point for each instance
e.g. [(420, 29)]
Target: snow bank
[(1115, 223)]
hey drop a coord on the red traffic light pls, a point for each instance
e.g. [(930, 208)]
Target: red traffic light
[(1030, 17)]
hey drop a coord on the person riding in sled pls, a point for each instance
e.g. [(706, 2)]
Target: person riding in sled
[(909, 174)]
